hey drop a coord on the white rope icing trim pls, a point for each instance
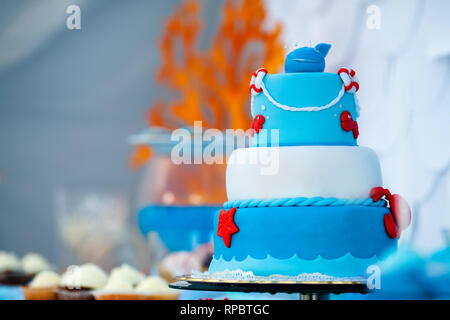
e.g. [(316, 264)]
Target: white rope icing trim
[(305, 109), (303, 202)]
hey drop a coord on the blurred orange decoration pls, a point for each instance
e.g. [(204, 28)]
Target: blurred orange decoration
[(211, 85)]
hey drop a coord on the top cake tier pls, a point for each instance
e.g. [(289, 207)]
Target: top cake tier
[(305, 106)]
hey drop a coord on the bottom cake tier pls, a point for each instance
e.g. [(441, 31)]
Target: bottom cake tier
[(338, 241)]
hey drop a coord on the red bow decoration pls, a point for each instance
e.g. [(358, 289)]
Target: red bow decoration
[(400, 218), (348, 124), (257, 124)]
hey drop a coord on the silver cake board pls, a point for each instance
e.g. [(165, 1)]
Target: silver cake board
[(308, 289)]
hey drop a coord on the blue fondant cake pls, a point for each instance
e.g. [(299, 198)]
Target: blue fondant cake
[(321, 208), (302, 91), (335, 241)]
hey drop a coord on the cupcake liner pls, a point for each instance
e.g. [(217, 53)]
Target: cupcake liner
[(163, 296), (171, 295), (120, 296), (34, 293), (133, 295), (74, 294)]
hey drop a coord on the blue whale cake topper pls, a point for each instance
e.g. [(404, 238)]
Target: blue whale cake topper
[(307, 59)]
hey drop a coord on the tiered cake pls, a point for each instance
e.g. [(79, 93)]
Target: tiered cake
[(318, 205)]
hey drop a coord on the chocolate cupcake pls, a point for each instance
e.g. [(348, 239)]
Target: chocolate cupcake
[(79, 282), (11, 273)]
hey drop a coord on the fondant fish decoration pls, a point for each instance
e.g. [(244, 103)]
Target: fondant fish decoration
[(307, 59)]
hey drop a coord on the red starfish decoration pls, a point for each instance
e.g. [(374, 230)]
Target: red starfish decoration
[(348, 124), (226, 226)]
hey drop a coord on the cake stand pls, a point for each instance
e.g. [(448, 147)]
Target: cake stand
[(307, 290)]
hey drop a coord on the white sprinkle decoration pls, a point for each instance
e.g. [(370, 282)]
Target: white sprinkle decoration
[(263, 108)]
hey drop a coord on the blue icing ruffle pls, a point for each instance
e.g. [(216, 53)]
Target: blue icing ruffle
[(307, 232), (294, 266)]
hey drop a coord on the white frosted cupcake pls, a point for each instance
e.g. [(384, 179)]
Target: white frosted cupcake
[(117, 289), (156, 288), (128, 274), (9, 262), (78, 283), (42, 287), (121, 284), (33, 263)]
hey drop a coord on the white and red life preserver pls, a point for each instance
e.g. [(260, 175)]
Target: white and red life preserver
[(349, 79), (256, 82)]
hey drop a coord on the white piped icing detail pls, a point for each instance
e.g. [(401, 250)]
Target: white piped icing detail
[(241, 275), (301, 108), (348, 76)]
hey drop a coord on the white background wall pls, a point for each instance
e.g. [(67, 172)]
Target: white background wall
[(404, 73)]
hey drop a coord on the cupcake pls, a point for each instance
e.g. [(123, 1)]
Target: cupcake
[(11, 273), (117, 289), (78, 283), (156, 288), (33, 263), (42, 287), (121, 284), (128, 274)]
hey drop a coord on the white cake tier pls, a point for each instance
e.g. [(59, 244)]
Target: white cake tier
[(302, 171)]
